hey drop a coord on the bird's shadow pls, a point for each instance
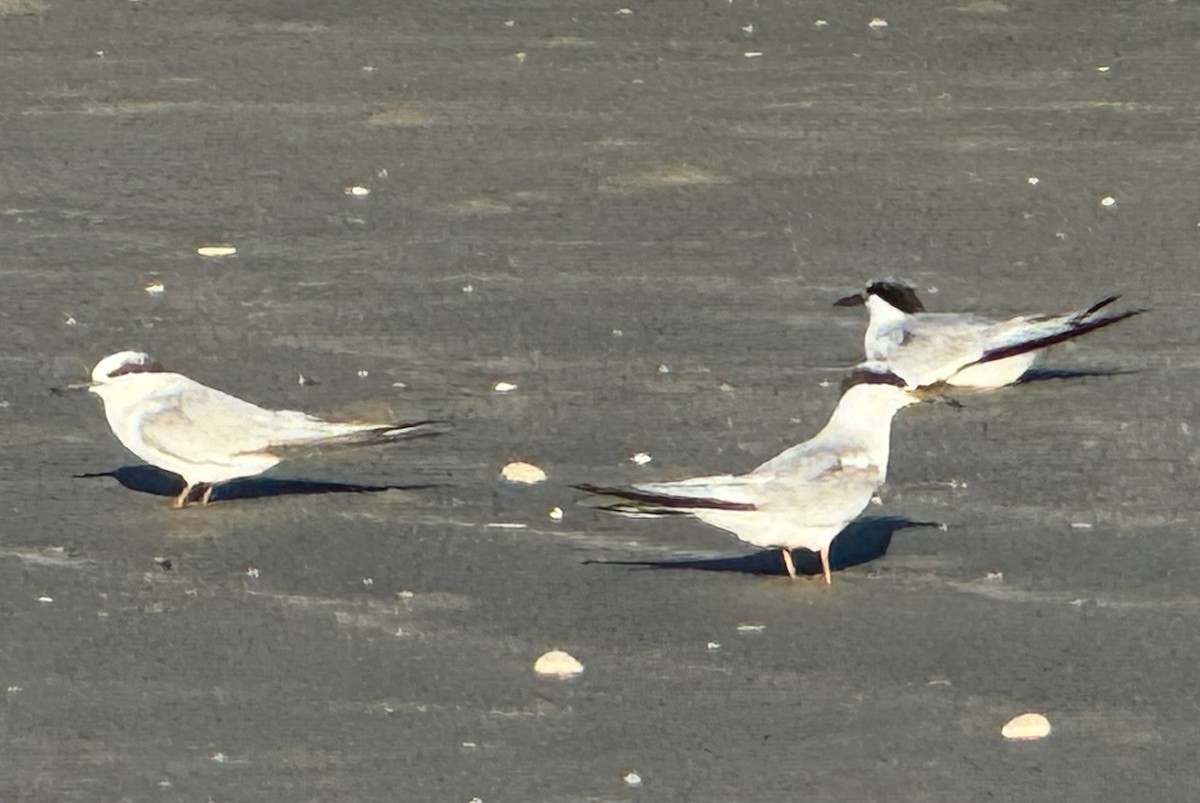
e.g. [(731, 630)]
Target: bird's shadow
[(152, 480), (1044, 374), (862, 541)]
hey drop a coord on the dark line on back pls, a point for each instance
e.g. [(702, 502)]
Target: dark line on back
[(665, 499)]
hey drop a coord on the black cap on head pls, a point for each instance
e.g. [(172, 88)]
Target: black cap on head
[(871, 375), (897, 292)]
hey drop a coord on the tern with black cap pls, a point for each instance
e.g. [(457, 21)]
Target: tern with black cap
[(962, 349), (804, 496)]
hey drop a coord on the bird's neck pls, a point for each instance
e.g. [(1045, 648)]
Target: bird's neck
[(883, 316), (862, 420)]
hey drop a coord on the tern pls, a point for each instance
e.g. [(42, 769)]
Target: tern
[(804, 496), (961, 349), (207, 436)]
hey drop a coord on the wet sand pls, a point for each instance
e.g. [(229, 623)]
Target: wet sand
[(567, 198)]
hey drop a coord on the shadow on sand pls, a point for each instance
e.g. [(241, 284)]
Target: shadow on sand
[(1044, 374), (862, 541), (151, 480)]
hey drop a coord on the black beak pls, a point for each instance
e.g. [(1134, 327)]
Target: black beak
[(74, 387), (856, 300)]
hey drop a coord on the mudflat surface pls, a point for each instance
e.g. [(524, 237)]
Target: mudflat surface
[(568, 197)]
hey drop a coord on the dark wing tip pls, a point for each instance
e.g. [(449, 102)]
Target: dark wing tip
[(1081, 327), (1099, 305), (664, 500)]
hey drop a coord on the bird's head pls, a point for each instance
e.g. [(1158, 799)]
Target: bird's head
[(900, 294)]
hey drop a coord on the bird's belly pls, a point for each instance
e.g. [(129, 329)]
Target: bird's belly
[(996, 374), (767, 530)]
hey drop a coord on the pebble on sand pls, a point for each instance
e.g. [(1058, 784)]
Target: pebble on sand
[(523, 473), (1026, 728), (558, 664)]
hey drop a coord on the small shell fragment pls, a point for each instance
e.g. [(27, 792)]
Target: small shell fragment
[(877, 22), (504, 387), (558, 664), (750, 627), (155, 288), (752, 54), (216, 251), (45, 600), (632, 778), (523, 473), (1026, 728), (363, 374), (820, 23), (556, 514), (356, 190), (1108, 201), (1033, 181), (641, 458)]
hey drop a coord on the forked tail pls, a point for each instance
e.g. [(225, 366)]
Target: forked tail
[(1067, 329)]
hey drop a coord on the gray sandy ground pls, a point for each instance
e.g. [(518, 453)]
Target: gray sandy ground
[(586, 172)]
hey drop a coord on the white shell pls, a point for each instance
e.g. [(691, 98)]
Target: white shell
[(558, 664), (504, 387), (556, 514), (633, 778), (877, 22), (1108, 201), (641, 458), (357, 190), (216, 251), (1026, 728), (155, 288), (523, 473)]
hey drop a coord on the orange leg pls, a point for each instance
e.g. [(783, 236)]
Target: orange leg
[(825, 566), (787, 563)]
